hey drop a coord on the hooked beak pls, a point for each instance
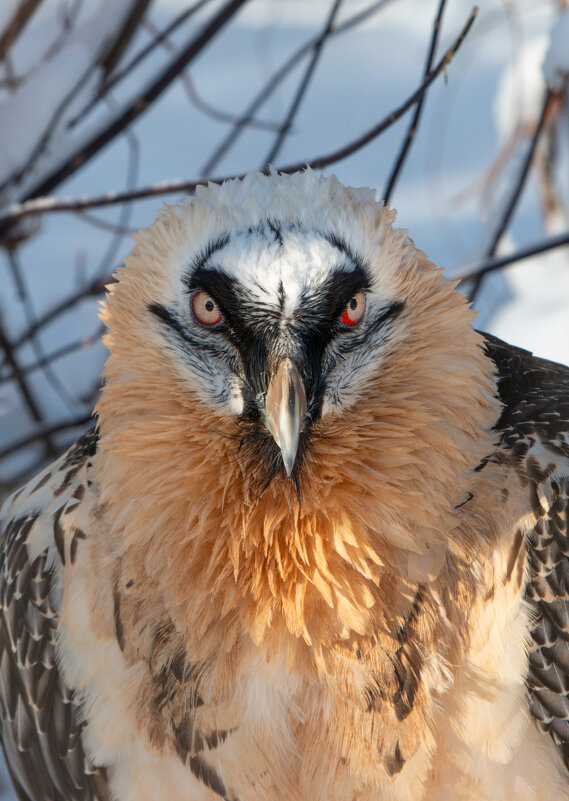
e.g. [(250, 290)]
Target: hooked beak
[(285, 408)]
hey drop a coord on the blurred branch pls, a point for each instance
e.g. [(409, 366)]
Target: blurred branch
[(67, 25), (53, 204), (114, 52), (26, 301), (20, 19), (516, 193), (46, 136), (490, 265), (303, 86), (104, 225), (45, 433), (201, 104), (277, 78), (412, 129), (23, 387), (93, 289), (137, 106), (118, 76), (60, 353)]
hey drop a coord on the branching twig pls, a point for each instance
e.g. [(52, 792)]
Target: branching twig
[(60, 353), (412, 129), (120, 42), (45, 433), (516, 193), (93, 289), (276, 79), (47, 204), (199, 102), (373, 133), (303, 86), (118, 76), (23, 387), (138, 106), (472, 273), (20, 18)]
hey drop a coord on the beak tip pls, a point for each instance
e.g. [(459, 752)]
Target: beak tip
[(288, 462)]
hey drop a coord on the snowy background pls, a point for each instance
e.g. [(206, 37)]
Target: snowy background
[(477, 123)]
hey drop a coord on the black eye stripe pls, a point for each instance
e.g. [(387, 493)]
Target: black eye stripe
[(349, 340)]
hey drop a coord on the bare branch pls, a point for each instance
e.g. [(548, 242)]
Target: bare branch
[(516, 192), (47, 204), (118, 76), (413, 126), (139, 105), (104, 225), (118, 45), (45, 433), (60, 353), (20, 19), (201, 104), (303, 86), (93, 289), (277, 78), (24, 388), (490, 265), (357, 144)]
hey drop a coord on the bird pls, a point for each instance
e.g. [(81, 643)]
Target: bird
[(316, 545)]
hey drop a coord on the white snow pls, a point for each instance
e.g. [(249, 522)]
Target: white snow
[(521, 89), (35, 117), (556, 64)]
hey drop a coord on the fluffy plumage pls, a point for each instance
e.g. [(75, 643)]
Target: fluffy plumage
[(302, 557)]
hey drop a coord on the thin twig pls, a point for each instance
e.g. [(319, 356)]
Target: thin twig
[(201, 104), (104, 225), (45, 433), (138, 106), (303, 86), (23, 387), (120, 42), (67, 25), (488, 266), (53, 380), (95, 288), (54, 204), (60, 353), (277, 78), (50, 129), (357, 144), (118, 76), (20, 18), (414, 124), (516, 193)]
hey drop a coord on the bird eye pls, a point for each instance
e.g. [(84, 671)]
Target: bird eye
[(353, 312), (205, 309)]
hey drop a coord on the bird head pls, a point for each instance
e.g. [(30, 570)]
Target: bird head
[(293, 386), (279, 324)]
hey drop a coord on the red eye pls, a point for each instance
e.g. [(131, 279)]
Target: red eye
[(353, 312), (205, 309)]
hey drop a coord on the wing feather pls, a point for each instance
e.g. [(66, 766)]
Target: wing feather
[(535, 394), (39, 717)]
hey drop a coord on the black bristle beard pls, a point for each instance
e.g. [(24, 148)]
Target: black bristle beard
[(261, 459)]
